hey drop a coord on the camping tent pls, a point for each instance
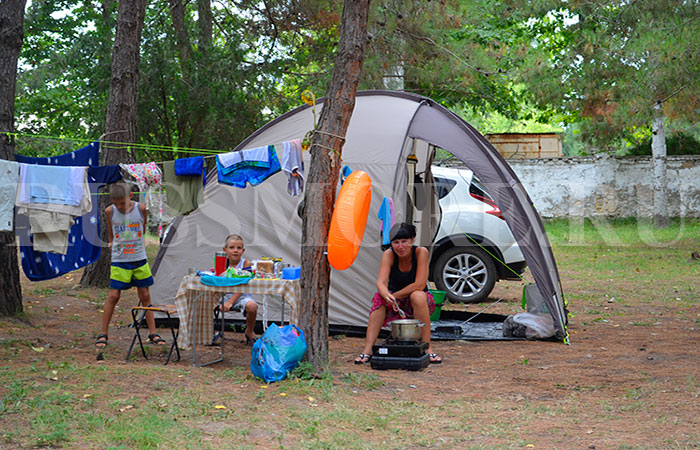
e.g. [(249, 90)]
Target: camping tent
[(386, 127)]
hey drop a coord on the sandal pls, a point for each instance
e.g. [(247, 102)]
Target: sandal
[(102, 341), (434, 358), (155, 339), (363, 358), (249, 340)]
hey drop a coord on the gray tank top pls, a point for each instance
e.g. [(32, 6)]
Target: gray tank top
[(127, 229)]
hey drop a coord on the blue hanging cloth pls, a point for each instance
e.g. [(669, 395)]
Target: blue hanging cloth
[(250, 173), (84, 235), (344, 174), (191, 167)]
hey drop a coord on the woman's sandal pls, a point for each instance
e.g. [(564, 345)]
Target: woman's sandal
[(363, 358), (154, 338), (249, 340), (102, 341), (434, 358)]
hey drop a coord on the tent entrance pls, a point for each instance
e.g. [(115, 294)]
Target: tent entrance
[(421, 205)]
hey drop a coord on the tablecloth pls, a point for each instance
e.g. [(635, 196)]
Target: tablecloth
[(206, 297)]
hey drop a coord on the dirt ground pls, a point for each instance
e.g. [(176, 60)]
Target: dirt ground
[(629, 379)]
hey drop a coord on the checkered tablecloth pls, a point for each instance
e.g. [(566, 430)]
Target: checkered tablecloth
[(195, 302)]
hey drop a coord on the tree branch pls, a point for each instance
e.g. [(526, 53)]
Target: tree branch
[(446, 50)]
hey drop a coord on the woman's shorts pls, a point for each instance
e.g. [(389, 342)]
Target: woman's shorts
[(125, 275), (404, 304)]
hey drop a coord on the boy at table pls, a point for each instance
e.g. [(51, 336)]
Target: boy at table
[(243, 303)]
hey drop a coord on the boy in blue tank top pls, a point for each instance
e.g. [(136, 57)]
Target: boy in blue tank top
[(126, 226)]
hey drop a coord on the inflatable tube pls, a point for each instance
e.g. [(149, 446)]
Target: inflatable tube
[(349, 220)]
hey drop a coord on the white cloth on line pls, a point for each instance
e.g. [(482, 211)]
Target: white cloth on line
[(293, 166), (23, 204), (9, 179), (259, 155)]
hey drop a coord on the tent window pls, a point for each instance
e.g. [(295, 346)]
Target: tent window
[(443, 186)]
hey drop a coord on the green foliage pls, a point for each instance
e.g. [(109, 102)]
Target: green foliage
[(304, 371), (610, 62), (208, 88), (678, 144)]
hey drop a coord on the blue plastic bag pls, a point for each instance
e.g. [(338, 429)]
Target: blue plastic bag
[(277, 352)]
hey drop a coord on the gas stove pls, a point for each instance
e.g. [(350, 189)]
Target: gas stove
[(405, 355), (391, 347)]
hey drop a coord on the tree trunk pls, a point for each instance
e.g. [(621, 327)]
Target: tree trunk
[(323, 179), (204, 24), (658, 154), (120, 121), (11, 36)]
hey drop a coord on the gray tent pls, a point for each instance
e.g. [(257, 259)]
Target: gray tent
[(386, 127)]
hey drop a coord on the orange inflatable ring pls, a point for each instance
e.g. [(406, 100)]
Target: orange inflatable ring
[(349, 220)]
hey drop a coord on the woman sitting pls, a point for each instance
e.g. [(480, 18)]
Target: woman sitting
[(403, 275)]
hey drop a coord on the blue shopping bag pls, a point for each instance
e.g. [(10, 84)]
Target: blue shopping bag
[(277, 352)]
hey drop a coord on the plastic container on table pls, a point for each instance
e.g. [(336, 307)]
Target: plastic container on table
[(291, 273)]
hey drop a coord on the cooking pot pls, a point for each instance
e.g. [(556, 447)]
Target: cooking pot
[(406, 329)]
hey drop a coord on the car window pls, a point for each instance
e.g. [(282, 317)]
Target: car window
[(477, 188), (443, 186)]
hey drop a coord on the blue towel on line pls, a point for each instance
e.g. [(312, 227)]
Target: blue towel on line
[(190, 167), (385, 216)]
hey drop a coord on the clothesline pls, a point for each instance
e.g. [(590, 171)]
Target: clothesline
[(127, 144), (210, 153)]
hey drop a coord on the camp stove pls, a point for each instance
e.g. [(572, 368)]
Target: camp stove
[(405, 355)]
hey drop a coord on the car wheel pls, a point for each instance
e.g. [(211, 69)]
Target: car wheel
[(467, 274)]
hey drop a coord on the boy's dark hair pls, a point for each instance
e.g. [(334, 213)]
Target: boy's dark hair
[(119, 190), (235, 237)]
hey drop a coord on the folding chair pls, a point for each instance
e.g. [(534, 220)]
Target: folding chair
[(165, 309)]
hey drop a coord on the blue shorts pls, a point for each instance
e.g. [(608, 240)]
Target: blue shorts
[(124, 275)]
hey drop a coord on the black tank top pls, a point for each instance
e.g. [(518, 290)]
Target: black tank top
[(399, 280)]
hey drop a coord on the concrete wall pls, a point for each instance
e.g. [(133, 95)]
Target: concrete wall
[(608, 186)]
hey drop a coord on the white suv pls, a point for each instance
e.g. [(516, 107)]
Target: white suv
[(467, 271)]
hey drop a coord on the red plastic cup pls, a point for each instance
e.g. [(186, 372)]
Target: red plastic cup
[(219, 263)]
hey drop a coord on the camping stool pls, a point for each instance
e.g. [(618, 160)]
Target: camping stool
[(166, 309)]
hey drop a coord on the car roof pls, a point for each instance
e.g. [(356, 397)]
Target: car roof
[(453, 172)]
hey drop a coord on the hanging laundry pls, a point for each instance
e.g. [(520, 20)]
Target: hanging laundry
[(344, 174), (253, 157), (293, 166), (246, 173), (25, 203), (189, 166), (50, 231), (86, 156), (104, 174), (84, 236), (182, 193), (386, 214), (149, 177), (50, 184), (9, 177)]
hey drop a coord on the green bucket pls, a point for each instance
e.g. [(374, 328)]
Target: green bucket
[(439, 297)]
